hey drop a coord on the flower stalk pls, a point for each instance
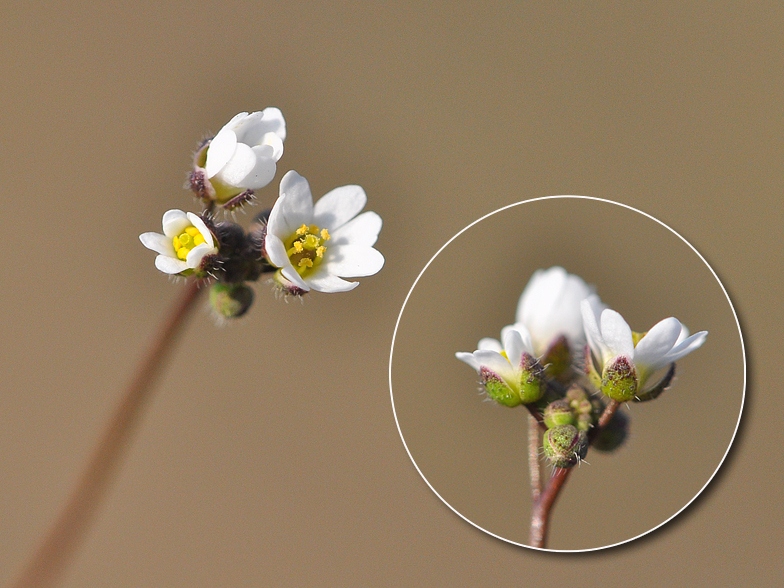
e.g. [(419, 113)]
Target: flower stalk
[(68, 530)]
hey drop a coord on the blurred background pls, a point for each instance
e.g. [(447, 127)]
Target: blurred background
[(259, 464)]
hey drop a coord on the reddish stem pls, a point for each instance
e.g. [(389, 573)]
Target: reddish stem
[(62, 540)]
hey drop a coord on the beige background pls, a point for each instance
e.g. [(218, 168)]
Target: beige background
[(262, 463)]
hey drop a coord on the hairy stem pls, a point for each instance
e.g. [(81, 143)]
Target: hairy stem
[(62, 540), (533, 458), (543, 506)]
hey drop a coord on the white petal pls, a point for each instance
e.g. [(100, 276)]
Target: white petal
[(339, 206), (196, 254), (236, 121), (468, 358), (271, 146), (170, 265), (323, 281), (220, 151), (591, 313), (499, 365), (353, 261), (237, 169), (540, 294), (656, 343), (174, 222), (158, 243), (513, 345), (276, 251), (616, 334), (525, 334), (292, 276), (259, 124), (686, 346), (298, 205), (197, 222), (361, 230), (490, 344)]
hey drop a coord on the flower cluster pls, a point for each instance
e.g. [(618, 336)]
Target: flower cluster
[(565, 345), (306, 246)]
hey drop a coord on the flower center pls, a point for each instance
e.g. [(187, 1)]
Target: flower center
[(306, 248), (187, 240)]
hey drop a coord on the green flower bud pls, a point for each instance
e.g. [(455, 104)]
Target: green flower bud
[(230, 300), (619, 380), (584, 422), (574, 395), (558, 359), (532, 384), (614, 434), (497, 389), (558, 413), (565, 446)]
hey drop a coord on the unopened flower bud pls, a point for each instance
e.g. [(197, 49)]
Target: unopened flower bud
[(230, 300), (558, 413), (574, 395), (558, 359), (619, 380), (565, 446)]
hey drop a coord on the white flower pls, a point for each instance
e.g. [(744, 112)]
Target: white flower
[(508, 371), (315, 245), (611, 341), (183, 245), (243, 155), (550, 308)]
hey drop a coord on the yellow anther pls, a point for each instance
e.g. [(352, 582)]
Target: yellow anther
[(325, 234), (198, 239), (302, 230), (298, 247), (305, 262), (182, 253), (192, 231), (320, 251), (176, 243), (313, 230)]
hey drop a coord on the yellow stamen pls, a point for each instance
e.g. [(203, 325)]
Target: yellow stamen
[(305, 262), (192, 231), (324, 234), (198, 239), (302, 230), (298, 247), (313, 230), (176, 243), (182, 253), (320, 251)]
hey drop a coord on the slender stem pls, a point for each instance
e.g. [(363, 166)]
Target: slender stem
[(537, 415), (62, 540), (533, 458), (540, 513)]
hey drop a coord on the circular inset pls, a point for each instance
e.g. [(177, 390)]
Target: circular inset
[(473, 451)]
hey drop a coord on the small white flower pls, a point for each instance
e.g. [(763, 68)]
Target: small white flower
[(243, 155), (314, 246), (508, 367), (183, 245), (550, 308), (611, 340)]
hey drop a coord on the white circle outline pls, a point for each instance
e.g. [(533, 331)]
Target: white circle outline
[(674, 232)]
